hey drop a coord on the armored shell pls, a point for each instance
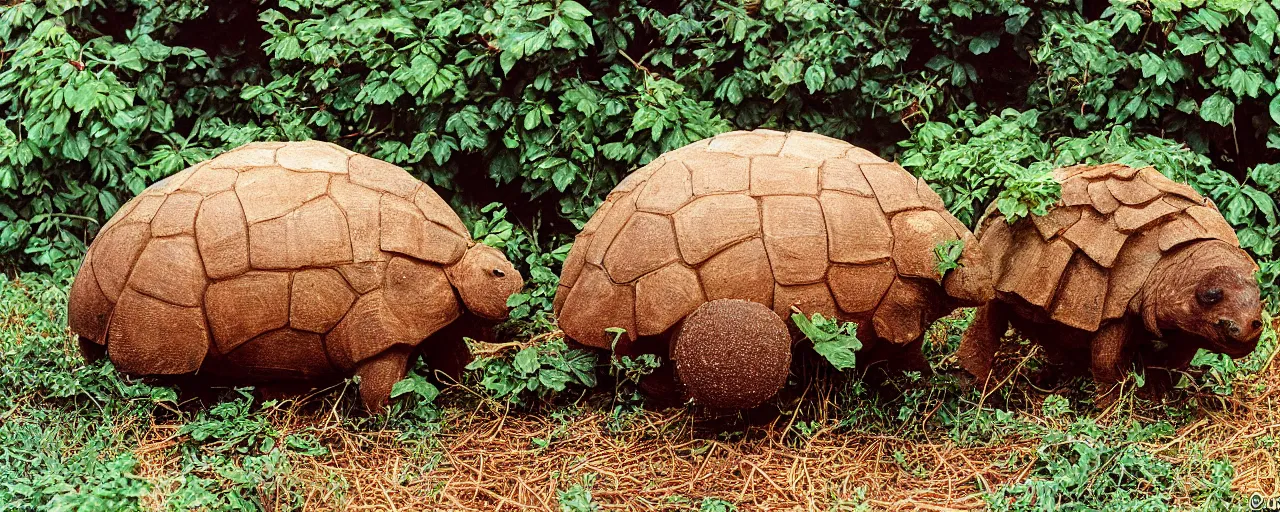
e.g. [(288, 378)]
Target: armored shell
[(1086, 260), (781, 219), (278, 259)]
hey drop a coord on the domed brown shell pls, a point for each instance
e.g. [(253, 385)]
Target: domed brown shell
[(287, 259), (1085, 261), (782, 219)]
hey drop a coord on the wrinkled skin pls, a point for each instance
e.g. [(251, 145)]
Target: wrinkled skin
[(971, 284), (485, 280), (1207, 296)]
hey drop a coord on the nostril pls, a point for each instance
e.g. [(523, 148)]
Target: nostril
[(1234, 329)]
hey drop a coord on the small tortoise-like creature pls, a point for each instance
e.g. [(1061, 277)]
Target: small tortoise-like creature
[(782, 220), (1126, 257), (283, 262)]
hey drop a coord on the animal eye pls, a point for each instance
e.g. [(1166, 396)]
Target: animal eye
[(1210, 296), (498, 273)]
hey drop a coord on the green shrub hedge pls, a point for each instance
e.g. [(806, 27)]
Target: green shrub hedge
[(544, 105)]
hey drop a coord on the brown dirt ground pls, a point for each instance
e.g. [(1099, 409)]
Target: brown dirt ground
[(485, 458)]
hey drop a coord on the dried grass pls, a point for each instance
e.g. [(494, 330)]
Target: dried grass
[(485, 458)]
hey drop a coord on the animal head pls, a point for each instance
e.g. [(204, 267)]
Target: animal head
[(1207, 290), (970, 284), (485, 280)]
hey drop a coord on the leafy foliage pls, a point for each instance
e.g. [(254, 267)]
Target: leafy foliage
[(999, 159), (536, 371), (832, 339), (577, 498), (948, 255), (554, 101), (1091, 467)]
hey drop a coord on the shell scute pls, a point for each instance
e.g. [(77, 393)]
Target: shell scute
[(859, 288), (775, 175), (808, 298), (651, 244), (1097, 235), (893, 187), (812, 146), (177, 215), (710, 224), (405, 230), (1131, 191), (272, 192), (314, 235), (1134, 218), (902, 314), (739, 272), (744, 143), (856, 227), (668, 190), (717, 173), (246, 306), (169, 269), (596, 303), (222, 236), (666, 296), (1101, 198), (795, 238), (115, 252), (141, 336), (313, 157), (246, 156), (318, 300), (1082, 296), (844, 175)]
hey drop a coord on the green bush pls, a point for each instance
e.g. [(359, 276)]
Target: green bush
[(536, 371), (545, 104)]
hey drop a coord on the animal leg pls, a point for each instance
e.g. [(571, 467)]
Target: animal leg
[(1061, 362), (379, 373), (732, 354), (910, 358), (447, 352), (1160, 367), (90, 350), (1110, 359), (977, 352)]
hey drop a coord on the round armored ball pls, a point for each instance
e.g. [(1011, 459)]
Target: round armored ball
[(786, 220), (731, 341), (1126, 257), (283, 261)]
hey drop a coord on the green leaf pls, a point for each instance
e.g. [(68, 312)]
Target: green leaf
[(526, 361), (947, 253), (815, 77), (416, 384), (836, 342), (1217, 109), (555, 380), (984, 43), (840, 352), (574, 10)]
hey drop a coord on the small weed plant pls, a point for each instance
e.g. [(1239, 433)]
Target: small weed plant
[(836, 341)]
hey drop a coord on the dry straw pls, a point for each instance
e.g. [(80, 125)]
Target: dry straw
[(488, 457)]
